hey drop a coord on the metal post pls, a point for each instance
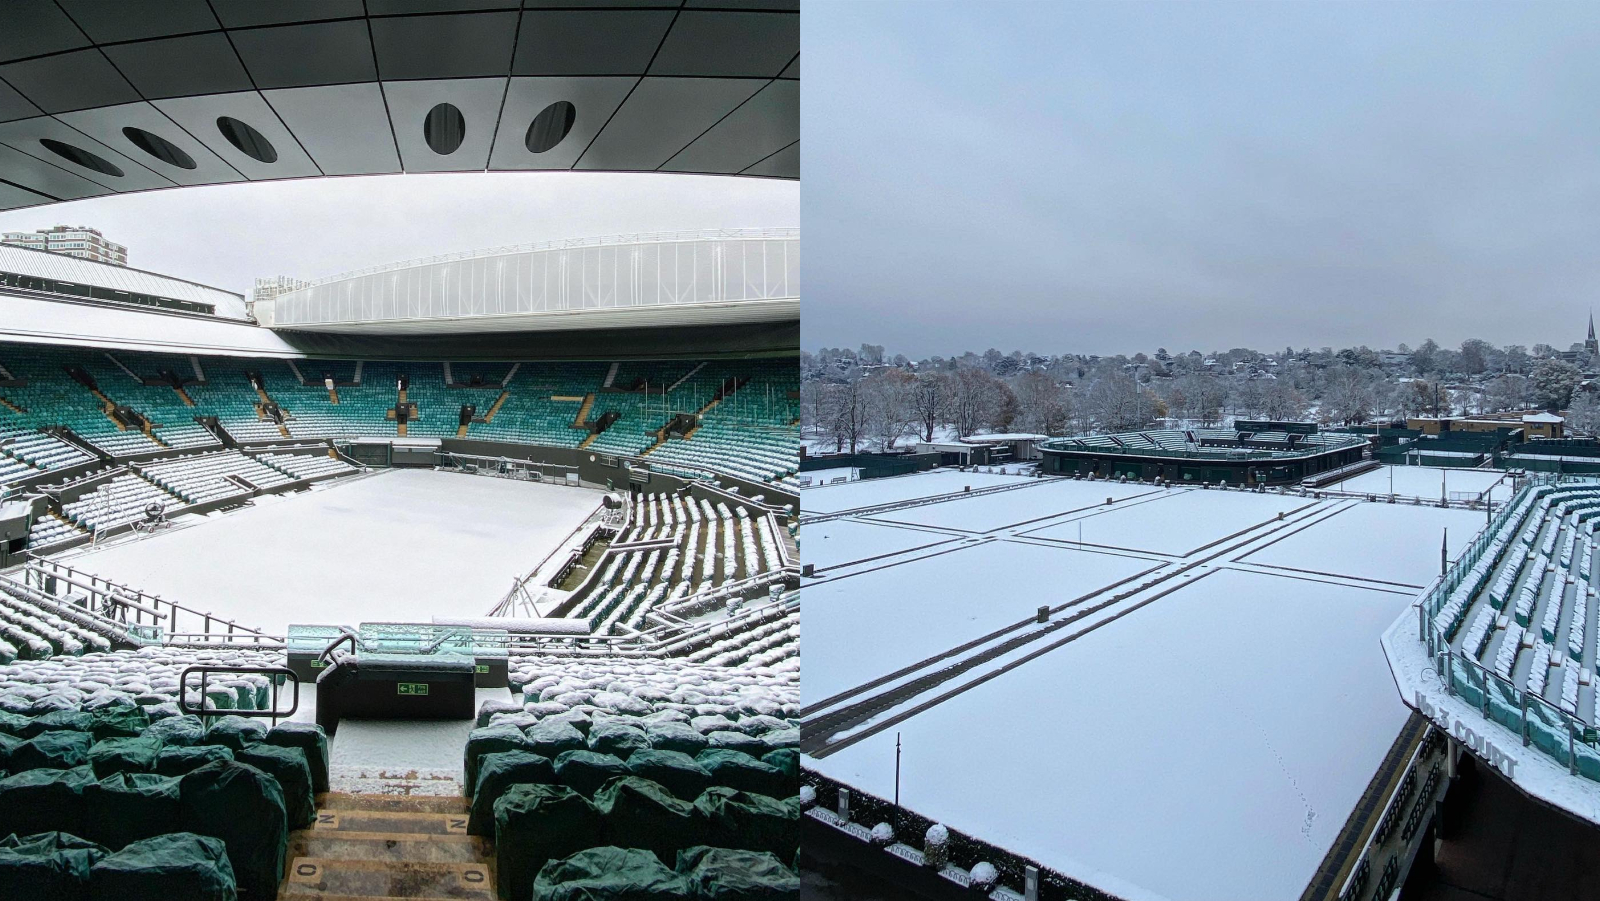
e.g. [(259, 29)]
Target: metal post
[(897, 782)]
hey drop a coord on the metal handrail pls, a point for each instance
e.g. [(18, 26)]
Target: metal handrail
[(205, 674)]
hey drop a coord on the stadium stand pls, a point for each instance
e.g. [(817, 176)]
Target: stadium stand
[(736, 417), (1517, 621)]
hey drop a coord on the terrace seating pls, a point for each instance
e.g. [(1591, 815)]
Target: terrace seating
[(122, 499), (747, 409), (304, 466), (206, 478)]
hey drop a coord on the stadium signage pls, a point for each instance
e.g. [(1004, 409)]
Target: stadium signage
[(1478, 744)]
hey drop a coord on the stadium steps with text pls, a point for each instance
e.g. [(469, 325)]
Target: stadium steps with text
[(385, 847)]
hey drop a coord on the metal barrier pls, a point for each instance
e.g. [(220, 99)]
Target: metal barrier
[(279, 674)]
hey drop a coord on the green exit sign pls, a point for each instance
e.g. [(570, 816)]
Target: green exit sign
[(483, 667), (411, 688)]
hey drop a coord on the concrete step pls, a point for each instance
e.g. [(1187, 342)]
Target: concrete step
[(388, 846), (333, 801), (331, 879), (391, 822)]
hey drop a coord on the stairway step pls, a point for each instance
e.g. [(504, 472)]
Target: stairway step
[(325, 878), (389, 846), (403, 822), (397, 803)]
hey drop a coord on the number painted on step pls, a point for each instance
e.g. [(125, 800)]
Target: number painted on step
[(307, 872), (474, 876), (456, 824), (330, 820), (411, 688)]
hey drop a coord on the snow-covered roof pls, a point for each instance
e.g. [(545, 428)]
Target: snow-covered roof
[(35, 320), (1543, 418), (62, 268)]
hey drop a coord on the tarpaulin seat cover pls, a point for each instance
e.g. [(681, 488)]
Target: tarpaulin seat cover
[(244, 807), (288, 766), (128, 807), (639, 813), (537, 823), (552, 738), (675, 771), (309, 738), (585, 771), (617, 739), (179, 866), (235, 732), (609, 874), (44, 800), (736, 819), (186, 730), (496, 774), (490, 740), (671, 736), (51, 750), (51, 866), (70, 720), (736, 769), (726, 874), (124, 755), (118, 721), (175, 761)]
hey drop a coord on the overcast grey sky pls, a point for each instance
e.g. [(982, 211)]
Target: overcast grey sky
[(1105, 178), (228, 235)]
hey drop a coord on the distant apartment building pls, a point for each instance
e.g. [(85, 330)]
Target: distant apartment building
[(264, 298), (73, 241)]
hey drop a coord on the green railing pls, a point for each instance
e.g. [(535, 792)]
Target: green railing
[(1567, 738)]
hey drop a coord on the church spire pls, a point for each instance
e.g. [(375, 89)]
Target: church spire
[(1590, 344), (1591, 325)]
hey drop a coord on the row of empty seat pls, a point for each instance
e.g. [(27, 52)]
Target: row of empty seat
[(748, 408)]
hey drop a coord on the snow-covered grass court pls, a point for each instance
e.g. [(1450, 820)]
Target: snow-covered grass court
[(400, 545), (1197, 718), (1429, 483)]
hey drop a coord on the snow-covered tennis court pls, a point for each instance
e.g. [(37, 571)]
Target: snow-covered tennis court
[(872, 492), (1035, 500), (1198, 724), (1206, 747), (865, 626), (401, 545), (1396, 543), (1173, 521), (1430, 483)]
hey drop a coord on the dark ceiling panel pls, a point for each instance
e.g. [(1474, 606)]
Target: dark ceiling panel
[(32, 29), (572, 42), (747, 45), (69, 81), (419, 47), (178, 67), (399, 7), (119, 20), (245, 13), (14, 105), (304, 55)]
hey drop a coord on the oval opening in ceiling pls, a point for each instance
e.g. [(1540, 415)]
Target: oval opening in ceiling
[(80, 156), (550, 126), (158, 147), (250, 142), (444, 129)]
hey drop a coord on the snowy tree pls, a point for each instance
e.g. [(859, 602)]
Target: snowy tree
[(976, 400), (1041, 404), (1554, 380), (930, 402), (845, 415), (1509, 392), (1583, 416), (889, 408)]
